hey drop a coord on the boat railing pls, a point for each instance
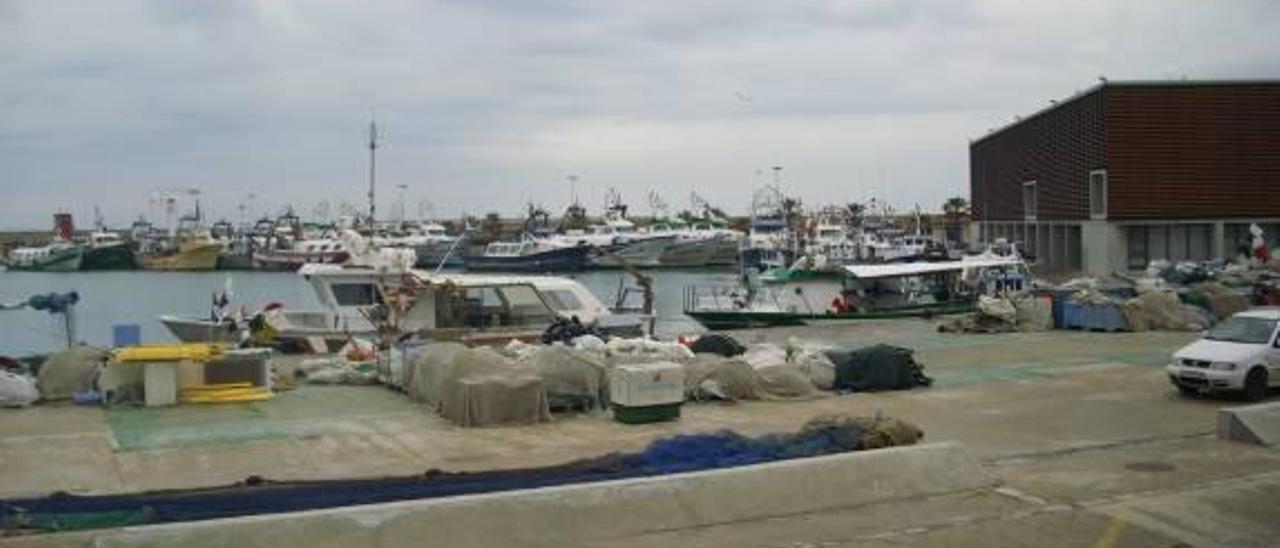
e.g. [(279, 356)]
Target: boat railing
[(727, 297)]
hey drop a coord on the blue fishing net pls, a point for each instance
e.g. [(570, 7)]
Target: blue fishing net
[(684, 453)]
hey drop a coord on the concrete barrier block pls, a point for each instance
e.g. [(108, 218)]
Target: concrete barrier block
[(1259, 423), (575, 514)]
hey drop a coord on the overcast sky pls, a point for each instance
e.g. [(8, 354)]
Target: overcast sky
[(490, 104)]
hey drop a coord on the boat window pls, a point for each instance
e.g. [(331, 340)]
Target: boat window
[(493, 307), (563, 300), (525, 307), (355, 294)]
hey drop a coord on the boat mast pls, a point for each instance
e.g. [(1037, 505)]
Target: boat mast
[(373, 150)]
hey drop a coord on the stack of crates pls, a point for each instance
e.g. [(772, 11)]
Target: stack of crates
[(649, 392)]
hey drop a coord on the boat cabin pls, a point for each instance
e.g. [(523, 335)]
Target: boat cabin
[(465, 307)]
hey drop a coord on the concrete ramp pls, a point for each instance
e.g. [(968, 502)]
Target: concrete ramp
[(1258, 423), (578, 514)]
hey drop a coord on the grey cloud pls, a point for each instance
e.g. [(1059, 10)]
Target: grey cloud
[(490, 103)]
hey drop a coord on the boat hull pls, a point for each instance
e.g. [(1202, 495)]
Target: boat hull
[(568, 259), (199, 257), (192, 330), (643, 254), (114, 257), (196, 330), (430, 255), (67, 260), (725, 253), (688, 253), (745, 319), (289, 261), (760, 258), (235, 261)]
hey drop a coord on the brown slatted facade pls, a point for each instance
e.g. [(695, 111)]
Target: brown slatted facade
[(1056, 148), (1172, 150), (1179, 151)]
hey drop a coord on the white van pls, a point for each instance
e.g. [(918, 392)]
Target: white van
[(1241, 354)]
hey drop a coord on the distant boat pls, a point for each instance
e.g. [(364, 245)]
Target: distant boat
[(530, 255), (770, 241), (237, 246), (108, 251), (430, 241), (614, 240), (192, 249), (318, 251), (57, 256), (287, 247)]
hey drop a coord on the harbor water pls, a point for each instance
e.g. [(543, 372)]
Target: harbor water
[(139, 297)]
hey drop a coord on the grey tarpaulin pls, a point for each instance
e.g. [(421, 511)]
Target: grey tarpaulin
[(483, 387), (425, 370), (573, 378), (717, 377)]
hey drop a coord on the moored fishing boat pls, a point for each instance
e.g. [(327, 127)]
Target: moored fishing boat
[(852, 292), (56, 256), (191, 250), (106, 250), (473, 308), (59, 255), (529, 255), (288, 245)]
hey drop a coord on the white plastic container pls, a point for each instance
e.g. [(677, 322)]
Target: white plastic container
[(647, 384)]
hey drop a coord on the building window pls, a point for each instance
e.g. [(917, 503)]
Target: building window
[(1030, 200), (1098, 194)]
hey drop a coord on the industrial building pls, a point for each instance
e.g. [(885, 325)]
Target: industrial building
[(1125, 173)]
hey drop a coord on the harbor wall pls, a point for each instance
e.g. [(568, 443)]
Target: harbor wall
[(570, 515)]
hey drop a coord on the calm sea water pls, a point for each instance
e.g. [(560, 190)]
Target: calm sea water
[(111, 298)]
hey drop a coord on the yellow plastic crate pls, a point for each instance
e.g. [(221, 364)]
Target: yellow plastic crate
[(168, 352)]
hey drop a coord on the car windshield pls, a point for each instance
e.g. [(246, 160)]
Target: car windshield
[(1243, 330)]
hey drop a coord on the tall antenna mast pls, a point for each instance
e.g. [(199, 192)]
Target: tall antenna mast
[(373, 164)]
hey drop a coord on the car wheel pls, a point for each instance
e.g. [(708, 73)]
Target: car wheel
[(1187, 390), (1255, 384)]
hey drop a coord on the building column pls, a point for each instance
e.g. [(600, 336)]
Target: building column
[(1103, 245), (1218, 246)]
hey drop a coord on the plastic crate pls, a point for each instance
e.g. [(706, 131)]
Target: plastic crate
[(646, 413), (1093, 317)]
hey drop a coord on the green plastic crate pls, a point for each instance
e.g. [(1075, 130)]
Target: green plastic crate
[(646, 414)]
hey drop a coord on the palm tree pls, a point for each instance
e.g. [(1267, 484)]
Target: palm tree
[(491, 227), (956, 208), (854, 211)]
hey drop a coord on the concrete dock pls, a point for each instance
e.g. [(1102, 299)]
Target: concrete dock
[(1086, 442)]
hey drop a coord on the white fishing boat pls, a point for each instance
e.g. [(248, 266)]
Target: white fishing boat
[(289, 245), (378, 289), (430, 242), (770, 241), (61, 254)]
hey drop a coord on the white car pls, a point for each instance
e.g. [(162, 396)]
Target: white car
[(1241, 354)]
